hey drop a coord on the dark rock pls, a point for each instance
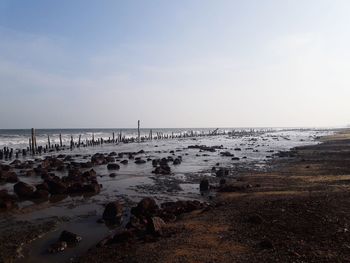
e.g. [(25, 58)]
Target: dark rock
[(113, 166), (113, 175), (8, 177), (91, 173), (146, 207), (222, 172), (41, 194), (23, 190), (124, 162), (93, 188), (98, 159), (56, 187), (58, 246), (155, 226), (235, 159), (69, 237), (140, 161), (204, 185), (122, 236), (254, 219), (265, 244), (177, 161), (113, 212), (227, 154)]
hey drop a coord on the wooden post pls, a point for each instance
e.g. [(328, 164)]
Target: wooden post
[(79, 141), (113, 138), (48, 141), (60, 140), (33, 141), (138, 130), (30, 145)]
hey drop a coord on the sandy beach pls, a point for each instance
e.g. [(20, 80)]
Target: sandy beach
[(298, 212), (190, 200)]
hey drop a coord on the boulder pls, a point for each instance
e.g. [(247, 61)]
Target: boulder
[(69, 237), (58, 246), (124, 162), (222, 172), (41, 194), (23, 190), (155, 226), (56, 187), (227, 154), (146, 207), (113, 166), (113, 212), (204, 185)]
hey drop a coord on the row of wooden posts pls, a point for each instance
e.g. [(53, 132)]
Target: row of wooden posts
[(33, 148)]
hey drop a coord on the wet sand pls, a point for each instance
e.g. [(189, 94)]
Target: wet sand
[(299, 211)]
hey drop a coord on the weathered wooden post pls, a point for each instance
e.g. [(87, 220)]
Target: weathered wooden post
[(30, 145), (79, 141), (48, 141), (60, 140), (138, 130), (33, 141), (113, 138)]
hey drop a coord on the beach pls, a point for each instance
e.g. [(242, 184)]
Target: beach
[(297, 212), (250, 177)]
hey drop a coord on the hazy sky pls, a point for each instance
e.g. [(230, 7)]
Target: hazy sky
[(176, 63)]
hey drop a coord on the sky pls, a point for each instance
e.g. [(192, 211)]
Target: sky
[(183, 63)]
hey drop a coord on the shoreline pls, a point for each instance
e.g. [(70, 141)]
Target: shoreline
[(300, 212), (161, 185)]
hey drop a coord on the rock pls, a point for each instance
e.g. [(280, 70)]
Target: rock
[(254, 219), (124, 162), (238, 149), (155, 226), (113, 212), (140, 161), (146, 207), (42, 186), (8, 177), (265, 244), (163, 169), (204, 185), (90, 174), (93, 188), (227, 154), (235, 159), (113, 175), (69, 237), (56, 187), (222, 181), (23, 190), (122, 236), (7, 201), (41, 194), (113, 166), (58, 246), (222, 172), (177, 161)]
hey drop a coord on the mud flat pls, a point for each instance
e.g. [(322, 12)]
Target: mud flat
[(54, 205)]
